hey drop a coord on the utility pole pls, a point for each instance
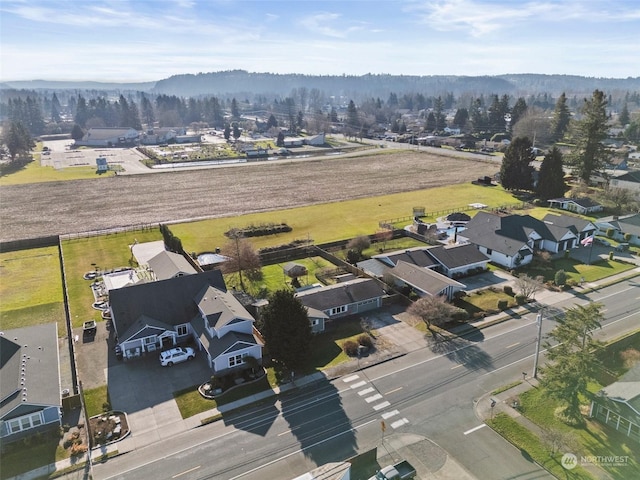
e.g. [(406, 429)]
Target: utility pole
[(538, 340)]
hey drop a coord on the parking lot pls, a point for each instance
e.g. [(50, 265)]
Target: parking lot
[(62, 156)]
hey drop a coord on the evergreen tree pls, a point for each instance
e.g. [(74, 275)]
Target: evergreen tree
[(461, 117), (272, 122), (227, 131), (561, 119), (572, 361), (82, 111), (518, 110), (590, 153), (352, 115), (286, 330), (516, 172), (280, 139), (148, 115), (76, 132), (431, 122), (55, 108), (235, 111), (551, 178), (624, 117), (17, 139)]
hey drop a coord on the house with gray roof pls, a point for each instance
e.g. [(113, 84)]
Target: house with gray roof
[(167, 265), (194, 308), (30, 396), (629, 181), (579, 226), (621, 226), (511, 240), (424, 281), (618, 405), (344, 298), (583, 206), (108, 137), (457, 260)]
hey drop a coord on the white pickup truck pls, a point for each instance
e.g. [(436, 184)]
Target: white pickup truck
[(400, 471)]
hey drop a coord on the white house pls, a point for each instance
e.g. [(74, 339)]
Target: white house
[(109, 137), (625, 229), (583, 206), (629, 181)]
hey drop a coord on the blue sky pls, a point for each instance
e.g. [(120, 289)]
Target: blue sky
[(146, 40)]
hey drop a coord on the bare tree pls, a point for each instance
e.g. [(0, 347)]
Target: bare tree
[(359, 244), (433, 310), (241, 257), (528, 286)]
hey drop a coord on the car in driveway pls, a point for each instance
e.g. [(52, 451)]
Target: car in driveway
[(176, 355)]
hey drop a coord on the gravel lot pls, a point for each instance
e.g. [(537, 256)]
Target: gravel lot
[(35, 210)]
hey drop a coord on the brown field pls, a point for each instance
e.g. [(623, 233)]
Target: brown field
[(35, 210)]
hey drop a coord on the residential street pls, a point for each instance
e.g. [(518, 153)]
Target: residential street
[(428, 395)]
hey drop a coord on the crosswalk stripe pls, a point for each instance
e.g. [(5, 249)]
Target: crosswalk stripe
[(359, 384), (399, 423), (382, 405), (387, 415), (373, 398), (366, 391), (350, 378)]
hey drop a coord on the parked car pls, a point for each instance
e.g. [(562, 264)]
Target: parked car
[(622, 247), (400, 471), (176, 355), (602, 241)]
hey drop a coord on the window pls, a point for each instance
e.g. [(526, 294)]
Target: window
[(236, 360), (148, 340), (314, 322), (337, 310), (24, 423), (489, 251), (182, 330)]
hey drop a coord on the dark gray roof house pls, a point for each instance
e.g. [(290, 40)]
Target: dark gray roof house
[(157, 315), (345, 298), (458, 259), (30, 396), (424, 281), (579, 205), (510, 240)]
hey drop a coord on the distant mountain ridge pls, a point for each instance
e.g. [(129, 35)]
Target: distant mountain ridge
[(235, 82)]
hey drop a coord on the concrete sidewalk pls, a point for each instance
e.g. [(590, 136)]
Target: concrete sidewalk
[(483, 411)]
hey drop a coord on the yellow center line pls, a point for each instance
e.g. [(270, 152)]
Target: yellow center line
[(394, 390), (457, 366), (513, 345)]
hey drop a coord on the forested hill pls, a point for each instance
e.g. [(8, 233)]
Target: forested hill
[(239, 81)]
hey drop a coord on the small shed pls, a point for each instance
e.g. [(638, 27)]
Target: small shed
[(294, 270), (101, 163)]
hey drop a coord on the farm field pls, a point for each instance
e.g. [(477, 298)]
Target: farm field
[(49, 208)]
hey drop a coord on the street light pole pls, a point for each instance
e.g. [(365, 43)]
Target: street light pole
[(538, 340)]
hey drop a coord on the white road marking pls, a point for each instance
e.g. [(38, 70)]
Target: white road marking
[(359, 384), (373, 398), (366, 391), (399, 423), (457, 366), (382, 405), (475, 428), (387, 415), (350, 378), (186, 471)]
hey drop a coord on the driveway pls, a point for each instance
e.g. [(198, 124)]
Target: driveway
[(144, 390)]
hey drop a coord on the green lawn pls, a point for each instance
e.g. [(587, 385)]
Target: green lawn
[(33, 172), (337, 221), (94, 400), (577, 271), (484, 301), (592, 439), (21, 458), (31, 289), (531, 446), (106, 252)]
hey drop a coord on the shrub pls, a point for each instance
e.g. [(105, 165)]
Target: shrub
[(78, 449), (627, 237), (502, 304), (610, 232), (350, 348), (520, 299), (560, 278), (610, 255), (106, 407), (365, 340), (460, 315), (508, 289)]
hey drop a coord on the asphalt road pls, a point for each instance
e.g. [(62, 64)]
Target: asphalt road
[(427, 393)]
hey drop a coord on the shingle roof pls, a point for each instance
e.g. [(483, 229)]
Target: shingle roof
[(168, 264), (457, 255), (423, 279), (170, 301), (340, 294), (34, 349), (220, 307), (575, 224), (105, 133), (630, 177), (416, 256), (585, 202)]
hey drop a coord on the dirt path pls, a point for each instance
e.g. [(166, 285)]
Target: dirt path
[(35, 210)]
